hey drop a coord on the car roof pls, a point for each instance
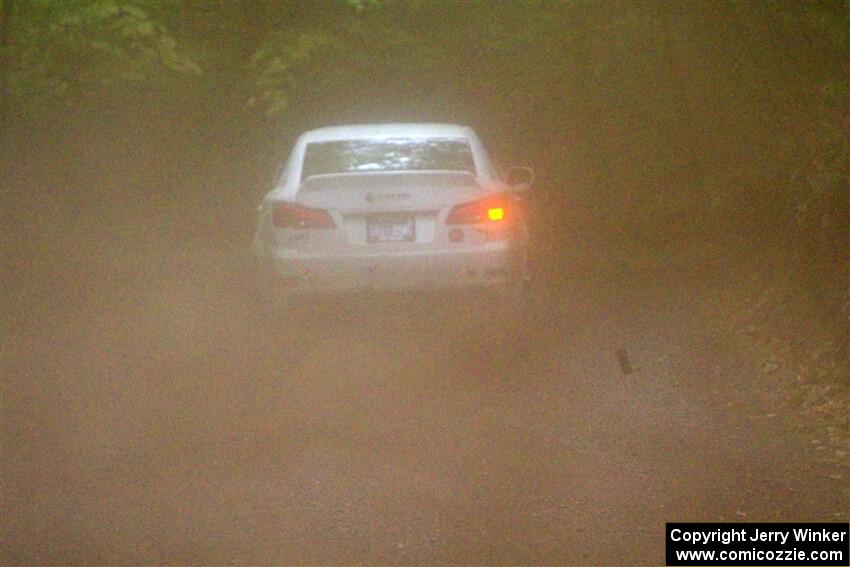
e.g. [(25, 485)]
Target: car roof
[(355, 131)]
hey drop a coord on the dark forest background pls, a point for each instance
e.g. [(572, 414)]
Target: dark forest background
[(707, 138)]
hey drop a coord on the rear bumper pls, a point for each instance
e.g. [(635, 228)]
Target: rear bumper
[(481, 266)]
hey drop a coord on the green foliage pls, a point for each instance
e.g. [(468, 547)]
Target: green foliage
[(278, 62), (412, 42), (59, 50), (638, 98), (329, 54)]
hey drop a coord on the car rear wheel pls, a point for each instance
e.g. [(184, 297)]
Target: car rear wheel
[(514, 295), (515, 300), (271, 298)]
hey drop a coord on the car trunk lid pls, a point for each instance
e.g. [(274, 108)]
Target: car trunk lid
[(386, 212), (388, 192)]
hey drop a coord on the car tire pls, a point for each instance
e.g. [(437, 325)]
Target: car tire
[(515, 304), (270, 298), (515, 295)]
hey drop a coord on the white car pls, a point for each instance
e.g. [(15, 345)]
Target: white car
[(391, 207)]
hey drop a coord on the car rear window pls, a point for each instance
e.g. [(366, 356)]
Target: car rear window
[(393, 154)]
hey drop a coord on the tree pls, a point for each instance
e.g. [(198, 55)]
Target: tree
[(56, 53)]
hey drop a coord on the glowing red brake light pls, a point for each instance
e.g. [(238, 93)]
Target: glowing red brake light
[(489, 209), (289, 215)]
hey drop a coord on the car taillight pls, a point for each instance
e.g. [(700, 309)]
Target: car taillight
[(490, 209), (289, 215), (496, 213)]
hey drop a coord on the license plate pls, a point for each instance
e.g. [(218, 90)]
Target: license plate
[(391, 229)]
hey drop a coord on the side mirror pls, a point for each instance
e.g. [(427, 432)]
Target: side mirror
[(520, 178)]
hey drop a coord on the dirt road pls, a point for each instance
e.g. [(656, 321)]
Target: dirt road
[(151, 415)]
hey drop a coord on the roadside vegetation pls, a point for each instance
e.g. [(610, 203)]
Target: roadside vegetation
[(700, 140)]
